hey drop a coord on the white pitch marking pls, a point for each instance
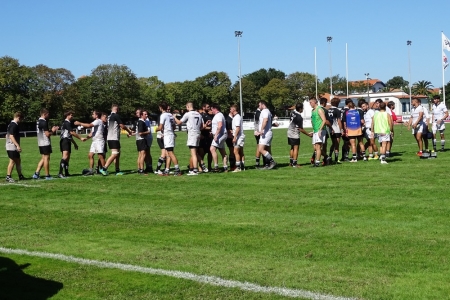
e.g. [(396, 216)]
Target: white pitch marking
[(212, 280), (19, 184)]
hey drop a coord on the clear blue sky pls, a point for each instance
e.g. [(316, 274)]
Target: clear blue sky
[(182, 40)]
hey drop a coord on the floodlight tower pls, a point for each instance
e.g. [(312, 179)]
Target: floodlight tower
[(329, 40), (408, 43), (238, 34), (367, 79)]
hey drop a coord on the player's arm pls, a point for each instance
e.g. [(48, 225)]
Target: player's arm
[(85, 125), (391, 125), (264, 123), (236, 132), (322, 116), (418, 119), (372, 128), (126, 129), (445, 116), (178, 122), (219, 129), (52, 132), (13, 140)]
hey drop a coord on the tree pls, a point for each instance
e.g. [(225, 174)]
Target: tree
[(216, 87), (18, 84), (339, 85), (262, 77), (250, 95), (152, 92), (300, 85), (115, 84), (275, 93), (397, 82), (52, 89), (421, 87)]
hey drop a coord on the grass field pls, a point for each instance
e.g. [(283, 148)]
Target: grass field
[(364, 230)]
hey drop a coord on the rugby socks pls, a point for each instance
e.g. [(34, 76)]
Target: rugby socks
[(66, 169), (62, 166), (291, 161), (238, 165), (434, 143), (242, 165), (257, 159), (177, 168), (161, 160), (268, 157), (383, 157), (336, 156), (442, 144), (388, 154), (294, 162)]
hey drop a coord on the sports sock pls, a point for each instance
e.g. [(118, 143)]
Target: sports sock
[(434, 143), (442, 143), (257, 160)]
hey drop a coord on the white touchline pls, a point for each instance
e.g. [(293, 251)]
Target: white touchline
[(19, 184), (212, 280)]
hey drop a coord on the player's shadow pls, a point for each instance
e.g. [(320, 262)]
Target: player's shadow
[(16, 284)]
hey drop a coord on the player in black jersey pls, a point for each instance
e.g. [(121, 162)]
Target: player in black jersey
[(205, 137), (13, 148)]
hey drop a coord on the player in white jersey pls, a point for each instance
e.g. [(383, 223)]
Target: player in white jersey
[(439, 114), (416, 122), (219, 132), (265, 133), (98, 141), (44, 143), (237, 128), (368, 134), (194, 125), (167, 126)]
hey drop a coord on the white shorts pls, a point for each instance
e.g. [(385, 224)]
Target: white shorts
[(239, 142), (169, 141), (193, 139), (368, 134), (97, 146), (318, 137), (266, 139), (384, 137), (221, 142), (418, 129), (438, 126)]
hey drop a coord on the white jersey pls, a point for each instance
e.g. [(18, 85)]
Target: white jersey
[(167, 122), (238, 122), (389, 111), (215, 122), (368, 118), (415, 114), (193, 120), (97, 130), (265, 114), (438, 111)]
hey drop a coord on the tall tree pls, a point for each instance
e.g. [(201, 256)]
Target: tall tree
[(18, 84), (115, 84), (262, 77), (339, 85), (152, 92), (300, 85), (216, 87), (275, 93), (250, 95), (397, 82), (421, 87)]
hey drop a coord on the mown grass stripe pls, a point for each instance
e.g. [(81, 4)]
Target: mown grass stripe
[(212, 280)]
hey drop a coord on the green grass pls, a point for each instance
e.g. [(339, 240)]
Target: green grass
[(360, 230)]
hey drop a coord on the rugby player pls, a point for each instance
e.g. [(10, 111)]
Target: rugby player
[(439, 114), (44, 144), (13, 148), (238, 138), (416, 122), (218, 129), (167, 125), (265, 133), (65, 144), (293, 134)]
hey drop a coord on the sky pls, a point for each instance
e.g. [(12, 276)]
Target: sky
[(183, 40)]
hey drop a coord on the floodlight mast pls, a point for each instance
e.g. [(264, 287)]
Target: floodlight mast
[(408, 43), (329, 40), (238, 34)]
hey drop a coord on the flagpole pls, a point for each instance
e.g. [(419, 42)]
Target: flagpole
[(346, 65), (315, 70)]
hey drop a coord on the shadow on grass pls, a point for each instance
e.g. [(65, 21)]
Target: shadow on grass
[(15, 284)]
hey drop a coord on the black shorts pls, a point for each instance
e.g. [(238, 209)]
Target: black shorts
[(141, 145), (345, 138), (336, 135), (257, 139), (169, 149), (13, 154), (229, 142), (45, 150), (114, 145), (293, 142), (160, 143), (65, 145), (205, 143)]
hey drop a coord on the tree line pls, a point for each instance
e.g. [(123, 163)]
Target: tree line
[(28, 89)]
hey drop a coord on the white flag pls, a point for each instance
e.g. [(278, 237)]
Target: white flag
[(444, 60), (445, 42)]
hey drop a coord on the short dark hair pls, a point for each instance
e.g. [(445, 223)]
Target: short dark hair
[(263, 102), (298, 106), (437, 97), (335, 102), (390, 104), (44, 111), (68, 113), (382, 106), (348, 100), (215, 105), (323, 101), (163, 105), (379, 100)]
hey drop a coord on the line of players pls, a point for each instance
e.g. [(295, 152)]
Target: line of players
[(209, 130), (354, 124)]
